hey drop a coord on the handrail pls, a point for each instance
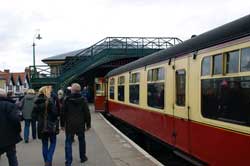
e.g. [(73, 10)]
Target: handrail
[(122, 43), (136, 46)]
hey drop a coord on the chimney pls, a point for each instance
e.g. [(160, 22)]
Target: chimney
[(193, 36), (27, 70), (6, 70)]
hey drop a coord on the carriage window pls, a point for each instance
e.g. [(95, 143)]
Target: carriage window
[(121, 92), (99, 89), (150, 75), (156, 74), (180, 87), (226, 99), (245, 60), (232, 61), (134, 78), (121, 81), (160, 73), (112, 88), (111, 92), (134, 88), (134, 93), (156, 95), (156, 88), (206, 64), (217, 64)]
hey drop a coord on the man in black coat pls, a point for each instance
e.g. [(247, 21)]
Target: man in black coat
[(75, 119), (10, 128)]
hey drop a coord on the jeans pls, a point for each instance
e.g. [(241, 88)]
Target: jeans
[(48, 151), (11, 154), (27, 123), (68, 148)]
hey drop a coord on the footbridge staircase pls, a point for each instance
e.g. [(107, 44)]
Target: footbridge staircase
[(105, 51)]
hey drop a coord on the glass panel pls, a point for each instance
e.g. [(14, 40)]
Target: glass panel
[(121, 80), (226, 99), (111, 92), (217, 64), (112, 81), (205, 69), (121, 93), (155, 75), (160, 73), (134, 78), (99, 89), (245, 59), (232, 61), (156, 95), (137, 79), (150, 75), (180, 87), (134, 91)]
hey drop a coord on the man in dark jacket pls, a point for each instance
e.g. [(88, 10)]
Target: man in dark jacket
[(75, 119), (10, 128)]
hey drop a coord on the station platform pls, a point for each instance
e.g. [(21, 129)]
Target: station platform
[(106, 146)]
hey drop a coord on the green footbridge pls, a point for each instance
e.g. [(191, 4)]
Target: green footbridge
[(106, 51)]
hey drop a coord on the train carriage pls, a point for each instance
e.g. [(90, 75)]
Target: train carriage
[(194, 96)]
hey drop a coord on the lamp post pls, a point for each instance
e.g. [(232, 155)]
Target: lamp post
[(36, 36)]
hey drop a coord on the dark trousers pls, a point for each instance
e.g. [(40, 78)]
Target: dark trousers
[(11, 154), (27, 123), (48, 150), (68, 148)]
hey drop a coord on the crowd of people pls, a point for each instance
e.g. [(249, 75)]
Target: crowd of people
[(45, 111)]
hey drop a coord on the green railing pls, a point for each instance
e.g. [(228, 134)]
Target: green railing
[(101, 52), (122, 43)]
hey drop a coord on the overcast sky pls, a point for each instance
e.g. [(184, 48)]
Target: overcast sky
[(67, 25)]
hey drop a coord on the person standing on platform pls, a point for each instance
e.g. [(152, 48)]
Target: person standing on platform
[(85, 93), (27, 105), (10, 128), (46, 113), (75, 120), (60, 95)]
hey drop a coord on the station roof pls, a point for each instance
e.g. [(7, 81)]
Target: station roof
[(115, 43), (62, 57), (225, 33)]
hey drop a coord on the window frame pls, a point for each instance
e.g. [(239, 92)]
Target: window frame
[(226, 54), (210, 66), (225, 74), (222, 64), (222, 117), (121, 83), (176, 87), (112, 85), (157, 81), (134, 82), (240, 69)]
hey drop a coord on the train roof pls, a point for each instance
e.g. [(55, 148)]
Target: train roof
[(225, 33)]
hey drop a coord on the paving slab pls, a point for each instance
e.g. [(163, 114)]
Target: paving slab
[(105, 147)]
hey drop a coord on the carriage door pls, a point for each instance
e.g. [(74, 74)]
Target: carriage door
[(180, 105), (99, 94)]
